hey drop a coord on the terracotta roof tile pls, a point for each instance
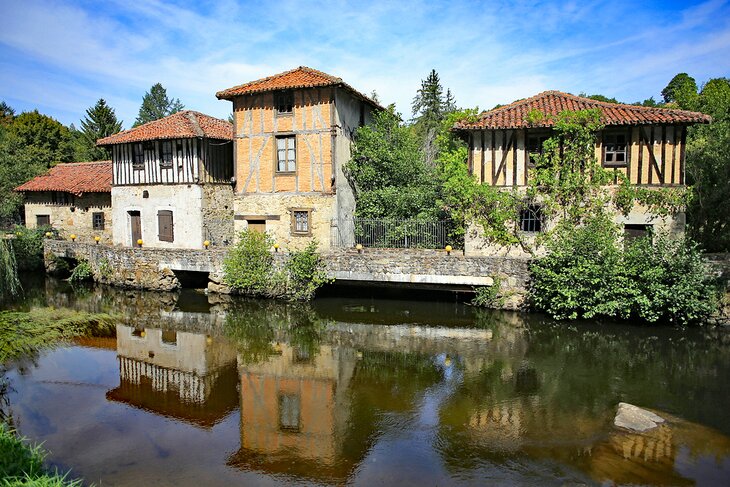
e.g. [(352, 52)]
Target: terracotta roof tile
[(73, 177), (181, 125), (301, 77), (515, 115)]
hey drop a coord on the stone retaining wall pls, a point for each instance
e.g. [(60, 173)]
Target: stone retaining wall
[(148, 268)]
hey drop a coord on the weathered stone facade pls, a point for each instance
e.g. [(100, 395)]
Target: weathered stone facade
[(73, 217), (217, 214), (277, 211), (154, 269)]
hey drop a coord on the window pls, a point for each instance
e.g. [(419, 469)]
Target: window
[(531, 218), (300, 224), (137, 156), (97, 220), (169, 337), (286, 154), (138, 332), (615, 149), (534, 146), (284, 101), (60, 198), (166, 154), (42, 220), (634, 231), (164, 223), (289, 412)]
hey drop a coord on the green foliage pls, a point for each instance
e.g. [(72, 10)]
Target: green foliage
[(682, 90), (9, 282), (249, 268), (599, 98), (157, 105), (21, 464), (18, 164), (388, 173), (430, 107), (100, 121), (306, 271), (25, 333), (587, 274), (489, 296), (105, 268), (708, 169), (7, 113), (82, 272), (46, 138), (28, 247)]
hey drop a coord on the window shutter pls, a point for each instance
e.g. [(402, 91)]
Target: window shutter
[(164, 223)]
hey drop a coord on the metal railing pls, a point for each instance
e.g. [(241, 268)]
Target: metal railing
[(398, 234)]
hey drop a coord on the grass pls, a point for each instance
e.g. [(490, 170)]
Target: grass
[(21, 464), (24, 333)]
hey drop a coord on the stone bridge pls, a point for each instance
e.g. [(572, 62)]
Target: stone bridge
[(162, 269)]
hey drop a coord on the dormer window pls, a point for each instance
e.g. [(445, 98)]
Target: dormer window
[(615, 149), (137, 156), (284, 101)]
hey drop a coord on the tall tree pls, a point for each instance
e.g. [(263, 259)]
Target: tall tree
[(45, 136), (682, 90), (429, 110), (7, 113), (708, 168), (100, 121), (157, 105)]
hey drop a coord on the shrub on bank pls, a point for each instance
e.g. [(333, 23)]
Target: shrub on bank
[(28, 247), (589, 273), (249, 269)]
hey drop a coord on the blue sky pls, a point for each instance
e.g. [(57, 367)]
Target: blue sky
[(60, 57)]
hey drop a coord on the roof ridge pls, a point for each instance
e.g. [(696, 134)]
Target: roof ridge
[(81, 163)]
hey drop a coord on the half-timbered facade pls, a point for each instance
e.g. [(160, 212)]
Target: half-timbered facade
[(73, 198), (172, 182), (646, 145), (293, 133)]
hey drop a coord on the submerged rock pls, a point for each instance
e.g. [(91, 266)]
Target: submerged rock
[(634, 418)]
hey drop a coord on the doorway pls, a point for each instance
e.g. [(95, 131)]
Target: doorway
[(135, 221)]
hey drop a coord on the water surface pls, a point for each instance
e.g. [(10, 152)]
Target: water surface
[(208, 390)]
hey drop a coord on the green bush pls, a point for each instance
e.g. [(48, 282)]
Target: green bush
[(306, 273), (28, 247), (489, 296), (249, 268), (82, 272), (587, 273), (249, 265)]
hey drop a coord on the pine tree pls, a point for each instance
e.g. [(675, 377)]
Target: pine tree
[(7, 113), (157, 105), (428, 104), (100, 121)]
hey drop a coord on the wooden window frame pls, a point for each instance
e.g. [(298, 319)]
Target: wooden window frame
[(532, 219), (166, 164), (38, 224), (294, 230), (284, 103), (286, 137), (165, 237), (293, 401), (138, 156), (613, 133), (97, 225)]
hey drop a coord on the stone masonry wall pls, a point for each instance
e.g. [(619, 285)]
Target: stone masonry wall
[(217, 208), (148, 268)]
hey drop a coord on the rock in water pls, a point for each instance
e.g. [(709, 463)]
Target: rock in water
[(634, 418)]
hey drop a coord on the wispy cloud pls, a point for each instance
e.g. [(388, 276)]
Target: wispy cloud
[(61, 57)]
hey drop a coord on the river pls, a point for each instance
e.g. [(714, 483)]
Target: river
[(361, 390)]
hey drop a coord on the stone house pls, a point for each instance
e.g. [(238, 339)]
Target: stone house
[(171, 182), (74, 198), (646, 145), (293, 133)]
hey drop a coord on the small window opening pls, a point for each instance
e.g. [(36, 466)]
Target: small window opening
[(531, 218), (284, 102)]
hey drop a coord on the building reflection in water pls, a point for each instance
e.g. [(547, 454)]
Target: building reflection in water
[(181, 374)]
